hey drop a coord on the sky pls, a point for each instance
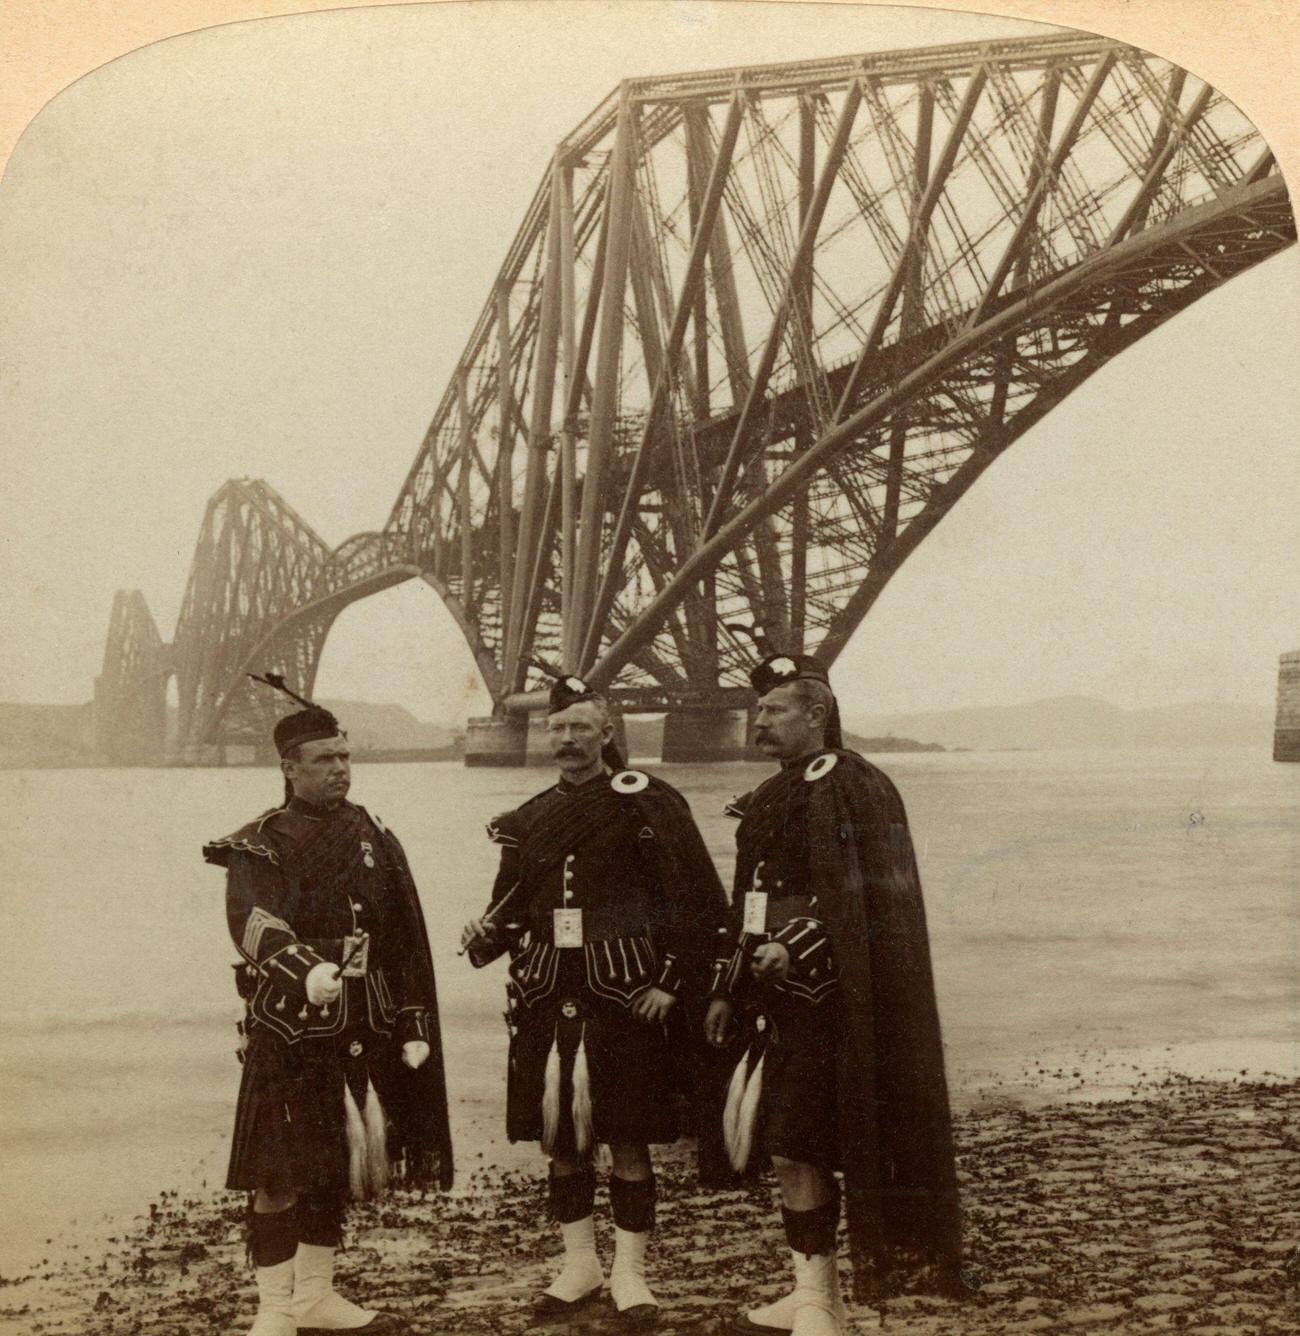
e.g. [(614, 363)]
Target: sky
[(258, 250)]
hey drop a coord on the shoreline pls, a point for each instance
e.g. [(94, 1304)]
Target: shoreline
[(1171, 1205)]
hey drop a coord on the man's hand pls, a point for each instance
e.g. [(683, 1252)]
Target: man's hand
[(652, 1005), (477, 930), (414, 1053), (770, 962), (323, 984), (717, 1021)]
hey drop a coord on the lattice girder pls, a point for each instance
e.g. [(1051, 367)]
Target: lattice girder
[(719, 271), (758, 331), (130, 705)]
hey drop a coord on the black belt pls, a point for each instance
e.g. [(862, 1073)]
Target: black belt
[(782, 908), (598, 925)]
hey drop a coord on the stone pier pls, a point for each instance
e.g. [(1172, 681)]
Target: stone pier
[(1286, 731), (498, 741), (706, 733)]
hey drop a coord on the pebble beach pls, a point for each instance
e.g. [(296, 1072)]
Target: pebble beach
[(1172, 1207)]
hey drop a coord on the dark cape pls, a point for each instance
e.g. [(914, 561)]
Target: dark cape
[(420, 1107), (895, 1126), (419, 1137)]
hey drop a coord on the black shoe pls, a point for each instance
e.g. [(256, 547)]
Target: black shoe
[(382, 1324), (640, 1317), (548, 1308), (742, 1325)]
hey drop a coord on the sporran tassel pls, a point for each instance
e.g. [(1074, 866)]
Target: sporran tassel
[(356, 1144), (740, 1113), (376, 1144), (748, 1117), (582, 1121), (551, 1099), (731, 1109)]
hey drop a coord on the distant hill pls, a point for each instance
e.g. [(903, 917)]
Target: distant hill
[(1082, 721), (389, 728), (645, 738), (888, 743), (45, 735), (61, 735)]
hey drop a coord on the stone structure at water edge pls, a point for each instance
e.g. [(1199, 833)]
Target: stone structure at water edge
[(1286, 732)]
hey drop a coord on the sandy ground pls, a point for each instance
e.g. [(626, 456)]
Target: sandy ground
[(1176, 1207)]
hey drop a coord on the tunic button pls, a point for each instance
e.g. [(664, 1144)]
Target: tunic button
[(356, 908), (291, 950), (356, 1048)]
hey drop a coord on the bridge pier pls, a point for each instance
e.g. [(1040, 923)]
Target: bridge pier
[(1286, 731), (497, 741), (706, 733)]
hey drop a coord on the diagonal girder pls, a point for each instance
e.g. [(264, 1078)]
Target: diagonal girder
[(758, 331)]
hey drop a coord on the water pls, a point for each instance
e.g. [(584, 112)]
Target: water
[(1136, 904)]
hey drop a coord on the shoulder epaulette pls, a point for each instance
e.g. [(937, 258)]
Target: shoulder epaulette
[(248, 839), (504, 829)]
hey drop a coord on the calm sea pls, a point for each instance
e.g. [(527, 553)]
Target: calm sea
[(1093, 915)]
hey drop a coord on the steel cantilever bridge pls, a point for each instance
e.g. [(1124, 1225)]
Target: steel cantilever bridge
[(757, 333)]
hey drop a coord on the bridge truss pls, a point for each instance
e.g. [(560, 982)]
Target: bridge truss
[(758, 332)]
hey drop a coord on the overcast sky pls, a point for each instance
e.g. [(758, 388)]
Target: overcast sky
[(258, 250)]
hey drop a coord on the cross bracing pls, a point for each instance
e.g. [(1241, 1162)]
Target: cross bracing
[(758, 331)]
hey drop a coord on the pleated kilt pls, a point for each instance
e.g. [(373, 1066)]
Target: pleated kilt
[(797, 1105), (632, 1079), (291, 1121)]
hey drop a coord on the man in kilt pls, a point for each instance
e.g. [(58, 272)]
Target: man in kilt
[(343, 1087), (842, 1062), (610, 908)]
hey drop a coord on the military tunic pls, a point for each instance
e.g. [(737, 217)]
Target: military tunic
[(303, 884), (623, 851)]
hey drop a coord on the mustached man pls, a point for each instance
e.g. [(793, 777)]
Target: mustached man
[(343, 1086), (608, 905), (829, 977)]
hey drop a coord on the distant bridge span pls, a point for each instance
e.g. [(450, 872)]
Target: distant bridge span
[(758, 332)]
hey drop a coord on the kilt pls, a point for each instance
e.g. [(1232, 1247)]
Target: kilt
[(630, 1066), (797, 1105), (290, 1121)]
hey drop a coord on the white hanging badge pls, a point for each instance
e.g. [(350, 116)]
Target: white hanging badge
[(566, 927), (356, 951), (755, 912)]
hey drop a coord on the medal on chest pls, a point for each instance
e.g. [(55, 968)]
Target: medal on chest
[(368, 853), (755, 920)]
